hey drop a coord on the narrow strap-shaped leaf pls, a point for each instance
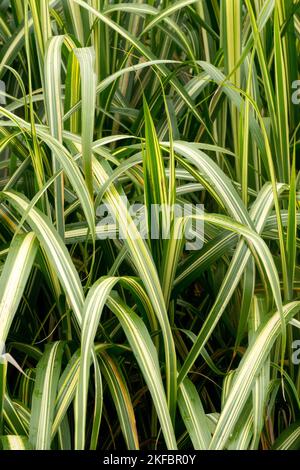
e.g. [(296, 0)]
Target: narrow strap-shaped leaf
[(53, 103), (13, 279), (248, 369), (98, 296), (259, 211), (67, 162), (282, 113), (261, 385), (44, 394), (95, 301), (86, 58), (66, 390), (72, 94), (120, 395), (146, 268), (289, 439), (3, 373)]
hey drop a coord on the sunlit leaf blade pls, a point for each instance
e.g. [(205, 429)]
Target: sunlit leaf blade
[(249, 367), (44, 394)]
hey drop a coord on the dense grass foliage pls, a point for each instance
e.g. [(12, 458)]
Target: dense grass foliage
[(111, 342)]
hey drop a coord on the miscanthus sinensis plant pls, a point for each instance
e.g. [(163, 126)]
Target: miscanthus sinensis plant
[(135, 342)]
